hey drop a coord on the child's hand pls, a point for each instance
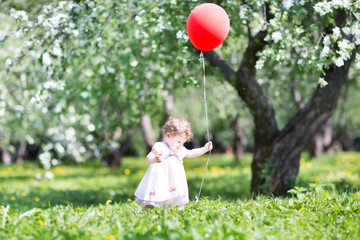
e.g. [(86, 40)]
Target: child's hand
[(208, 146), (158, 156)]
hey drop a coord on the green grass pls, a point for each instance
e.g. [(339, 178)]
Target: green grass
[(90, 201)]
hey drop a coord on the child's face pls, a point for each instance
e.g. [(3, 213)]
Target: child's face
[(175, 142)]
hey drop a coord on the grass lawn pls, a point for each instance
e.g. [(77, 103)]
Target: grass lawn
[(89, 201)]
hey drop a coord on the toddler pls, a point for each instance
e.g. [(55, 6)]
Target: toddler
[(165, 181)]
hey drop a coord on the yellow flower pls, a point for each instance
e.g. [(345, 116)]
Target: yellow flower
[(13, 198), (41, 223), (23, 194), (108, 202), (302, 208), (2, 206), (127, 171), (37, 199), (110, 238), (134, 203)]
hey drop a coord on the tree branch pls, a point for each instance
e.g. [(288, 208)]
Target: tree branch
[(216, 60)]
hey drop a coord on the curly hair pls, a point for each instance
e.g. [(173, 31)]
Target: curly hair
[(178, 126)]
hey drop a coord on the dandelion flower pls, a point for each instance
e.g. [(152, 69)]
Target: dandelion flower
[(134, 203), (23, 194), (13, 198), (41, 223), (110, 238), (37, 199), (127, 171), (108, 201)]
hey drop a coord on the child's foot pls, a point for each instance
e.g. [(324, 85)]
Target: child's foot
[(147, 207)]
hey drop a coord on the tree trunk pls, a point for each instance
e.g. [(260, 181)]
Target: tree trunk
[(6, 157), (275, 165), (20, 152), (321, 140), (114, 157), (147, 130), (240, 140)]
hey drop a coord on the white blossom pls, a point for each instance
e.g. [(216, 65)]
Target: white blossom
[(323, 7), (138, 19), (244, 9), (288, 3), (51, 84), (110, 69), (322, 82), (89, 138), (259, 64), (336, 32), (341, 3), (325, 52), (46, 59), (326, 41), (45, 159), (8, 62), (59, 148), (76, 33), (346, 30), (339, 62), (70, 135), (134, 63), (49, 175), (91, 127), (179, 35), (57, 51), (21, 15), (55, 162), (276, 36)]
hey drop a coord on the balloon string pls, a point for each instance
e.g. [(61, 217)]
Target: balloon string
[(207, 123)]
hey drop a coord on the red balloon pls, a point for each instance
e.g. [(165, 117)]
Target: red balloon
[(207, 26)]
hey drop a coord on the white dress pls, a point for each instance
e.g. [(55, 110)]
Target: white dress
[(165, 182)]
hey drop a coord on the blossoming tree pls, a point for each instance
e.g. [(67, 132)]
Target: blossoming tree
[(103, 63)]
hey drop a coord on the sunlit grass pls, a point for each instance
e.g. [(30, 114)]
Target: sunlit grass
[(90, 201)]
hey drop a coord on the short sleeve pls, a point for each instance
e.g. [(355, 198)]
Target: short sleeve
[(183, 152), (158, 146)]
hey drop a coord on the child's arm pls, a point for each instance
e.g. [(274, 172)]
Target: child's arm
[(154, 157), (196, 152)]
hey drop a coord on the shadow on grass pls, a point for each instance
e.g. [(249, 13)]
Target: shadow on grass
[(340, 185), (226, 187), (50, 197)]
